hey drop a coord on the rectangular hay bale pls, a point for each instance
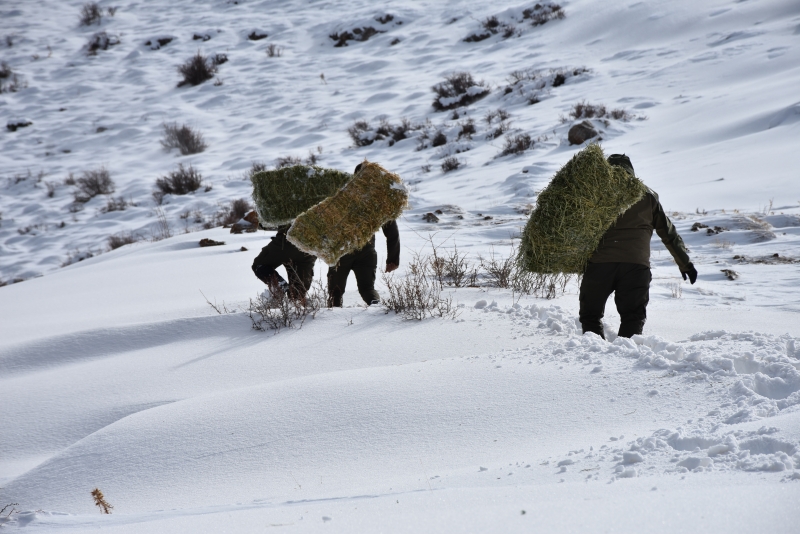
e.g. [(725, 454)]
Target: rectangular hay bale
[(347, 221), (281, 195), (572, 213)]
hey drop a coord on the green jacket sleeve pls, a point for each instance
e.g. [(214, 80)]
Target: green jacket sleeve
[(669, 235)]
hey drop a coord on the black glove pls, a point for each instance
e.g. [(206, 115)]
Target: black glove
[(691, 272)]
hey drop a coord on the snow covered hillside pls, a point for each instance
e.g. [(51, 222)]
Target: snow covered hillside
[(116, 374)]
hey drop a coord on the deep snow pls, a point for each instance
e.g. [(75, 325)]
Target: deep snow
[(115, 373)]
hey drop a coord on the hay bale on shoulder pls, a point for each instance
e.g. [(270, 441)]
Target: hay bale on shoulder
[(347, 221), (282, 194), (573, 212)]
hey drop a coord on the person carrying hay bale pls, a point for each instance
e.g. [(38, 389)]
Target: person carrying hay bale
[(340, 230), (364, 264), (281, 195), (621, 262)]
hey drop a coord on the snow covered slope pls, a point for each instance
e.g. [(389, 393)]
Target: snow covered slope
[(116, 374)]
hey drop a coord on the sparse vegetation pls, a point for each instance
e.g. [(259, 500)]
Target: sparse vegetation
[(439, 139), (119, 240), (467, 129), (99, 498), (516, 144), (417, 295), (276, 309), (100, 41), (274, 50), (182, 137), (232, 212), (116, 204), (356, 34), (363, 134), (199, 69), (543, 13), (93, 183), (10, 82), (91, 13), (182, 181), (583, 110), (458, 89), (450, 163)]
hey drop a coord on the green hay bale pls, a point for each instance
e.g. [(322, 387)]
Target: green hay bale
[(283, 194), (347, 221), (582, 201)]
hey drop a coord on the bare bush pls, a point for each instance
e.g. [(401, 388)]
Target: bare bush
[(458, 89), (584, 110), (543, 13), (439, 139), (505, 273), (276, 309), (183, 138), (10, 82), (274, 50), (363, 134), (119, 240), (100, 41), (116, 204), (516, 144), (257, 35), (91, 13), (467, 129), (163, 229), (417, 295), (232, 212), (182, 181), (287, 161), (452, 268), (93, 183), (99, 498), (197, 70), (450, 164), (356, 34)]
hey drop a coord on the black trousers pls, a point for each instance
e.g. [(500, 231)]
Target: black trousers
[(299, 265), (630, 283), (363, 263)]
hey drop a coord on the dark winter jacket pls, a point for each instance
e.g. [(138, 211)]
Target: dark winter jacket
[(392, 233), (628, 240)]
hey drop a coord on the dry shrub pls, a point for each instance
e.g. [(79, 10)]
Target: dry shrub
[(119, 240), (93, 183), (100, 41), (417, 295), (91, 13), (356, 34), (450, 163), (236, 211), (197, 70), (467, 129), (183, 138), (458, 89), (274, 50), (349, 219), (449, 267), (543, 13), (10, 82), (516, 144), (182, 181), (276, 309), (99, 498), (583, 110), (363, 134)]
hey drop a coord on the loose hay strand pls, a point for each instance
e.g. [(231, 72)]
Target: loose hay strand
[(346, 221), (281, 195), (584, 199)]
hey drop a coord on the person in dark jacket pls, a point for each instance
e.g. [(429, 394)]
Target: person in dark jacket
[(364, 264), (299, 266), (621, 263)]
